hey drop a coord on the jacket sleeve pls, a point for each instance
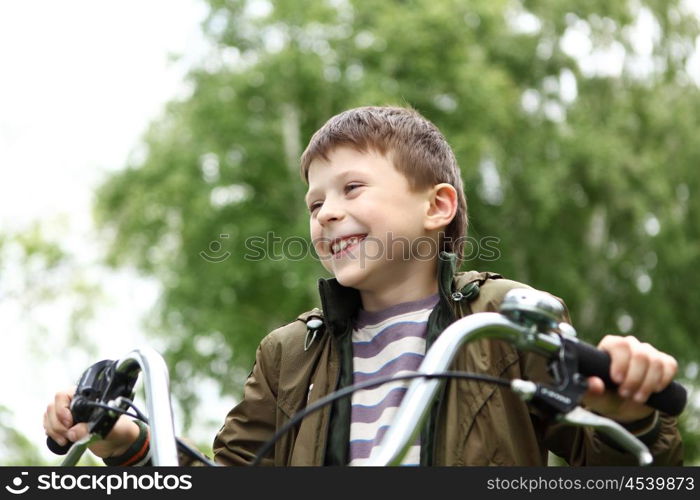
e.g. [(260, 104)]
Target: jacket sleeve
[(252, 421)]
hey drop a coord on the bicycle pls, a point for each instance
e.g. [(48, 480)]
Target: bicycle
[(528, 319)]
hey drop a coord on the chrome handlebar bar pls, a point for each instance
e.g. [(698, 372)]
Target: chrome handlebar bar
[(421, 392)]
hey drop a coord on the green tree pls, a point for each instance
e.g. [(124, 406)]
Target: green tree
[(573, 123), (40, 275)]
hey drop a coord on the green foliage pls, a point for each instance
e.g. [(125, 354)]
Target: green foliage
[(584, 173), (45, 273), (39, 273), (17, 449)]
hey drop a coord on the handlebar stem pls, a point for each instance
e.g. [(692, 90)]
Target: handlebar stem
[(160, 415), (416, 402)]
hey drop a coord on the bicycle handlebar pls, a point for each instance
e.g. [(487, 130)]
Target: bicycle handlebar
[(529, 320), (592, 361), (157, 387)]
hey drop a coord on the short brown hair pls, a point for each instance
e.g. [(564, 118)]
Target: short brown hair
[(414, 145)]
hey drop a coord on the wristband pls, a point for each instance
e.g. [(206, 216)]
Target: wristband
[(139, 453)]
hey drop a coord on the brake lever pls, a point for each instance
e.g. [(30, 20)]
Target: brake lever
[(78, 448), (552, 399), (584, 418)]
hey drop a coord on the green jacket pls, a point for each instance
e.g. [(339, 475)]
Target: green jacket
[(472, 423)]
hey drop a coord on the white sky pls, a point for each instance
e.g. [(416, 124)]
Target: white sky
[(80, 80), (79, 83)]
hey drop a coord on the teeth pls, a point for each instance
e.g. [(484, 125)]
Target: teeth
[(341, 245)]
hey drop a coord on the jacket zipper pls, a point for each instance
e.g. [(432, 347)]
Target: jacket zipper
[(334, 386)]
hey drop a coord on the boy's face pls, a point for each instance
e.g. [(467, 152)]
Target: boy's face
[(365, 219)]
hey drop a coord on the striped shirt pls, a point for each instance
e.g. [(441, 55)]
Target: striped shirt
[(388, 342)]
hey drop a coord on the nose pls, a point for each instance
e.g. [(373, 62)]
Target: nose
[(330, 211)]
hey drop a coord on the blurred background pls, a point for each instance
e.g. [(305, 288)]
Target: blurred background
[(143, 143)]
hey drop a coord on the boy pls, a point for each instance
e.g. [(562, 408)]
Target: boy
[(387, 218)]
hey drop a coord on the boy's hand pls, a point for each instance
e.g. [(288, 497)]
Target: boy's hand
[(59, 425), (639, 369)]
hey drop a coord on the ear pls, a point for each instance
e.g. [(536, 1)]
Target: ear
[(442, 206)]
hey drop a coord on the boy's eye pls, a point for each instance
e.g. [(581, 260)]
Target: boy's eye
[(349, 187)]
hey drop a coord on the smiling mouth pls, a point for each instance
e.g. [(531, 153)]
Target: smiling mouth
[(342, 246)]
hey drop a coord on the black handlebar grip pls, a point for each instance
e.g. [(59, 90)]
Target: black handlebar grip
[(57, 448), (593, 361)]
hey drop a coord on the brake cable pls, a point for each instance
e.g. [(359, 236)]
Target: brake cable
[(347, 391)]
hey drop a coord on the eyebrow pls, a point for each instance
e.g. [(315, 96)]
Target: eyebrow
[(341, 177), (308, 195)]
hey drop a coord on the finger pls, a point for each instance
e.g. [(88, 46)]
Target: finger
[(596, 386), (53, 427), (54, 423), (639, 363), (65, 416), (78, 431), (620, 350), (670, 368), (62, 408), (49, 430), (651, 380), (62, 441)]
